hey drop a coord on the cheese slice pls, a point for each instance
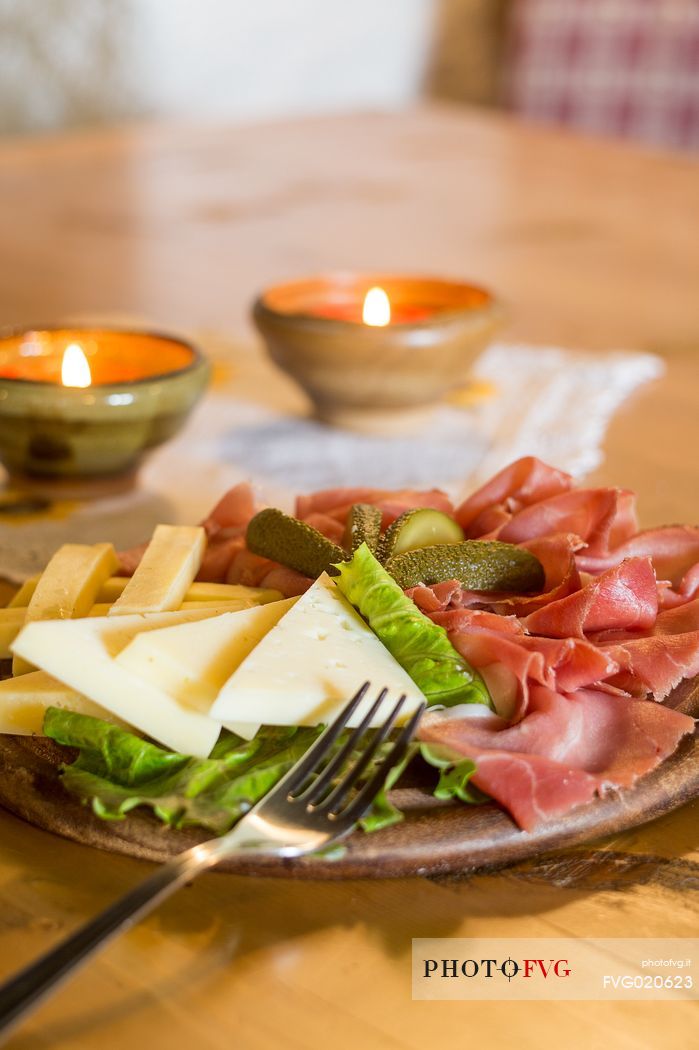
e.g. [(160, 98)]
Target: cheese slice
[(12, 620), (68, 586), (308, 666), (11, 623), (24, 701), (193, 661), (199, 591), (21, 598), (213, 608), (80, 654), (165, 572)]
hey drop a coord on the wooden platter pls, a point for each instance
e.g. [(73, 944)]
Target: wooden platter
[(434, 839)]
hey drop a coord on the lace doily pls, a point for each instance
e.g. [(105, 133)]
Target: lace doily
[(548, 402)]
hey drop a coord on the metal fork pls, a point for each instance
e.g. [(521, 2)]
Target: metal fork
[(304, 812)]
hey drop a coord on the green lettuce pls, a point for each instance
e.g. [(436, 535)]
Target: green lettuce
[(420, 646), (455, 774), (117, 771)]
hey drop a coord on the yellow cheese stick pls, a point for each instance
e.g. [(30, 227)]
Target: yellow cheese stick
[(22, 598), (165, 572), (68, 586), (11, 622), (199, 591)]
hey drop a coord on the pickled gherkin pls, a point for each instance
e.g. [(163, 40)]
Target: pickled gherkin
[(363, 526), (275, 535), (421, 527), (479, 565)]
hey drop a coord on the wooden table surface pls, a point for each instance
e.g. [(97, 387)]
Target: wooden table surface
[(593, 245)]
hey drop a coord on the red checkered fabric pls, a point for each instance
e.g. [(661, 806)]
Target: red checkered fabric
[(622, 67)]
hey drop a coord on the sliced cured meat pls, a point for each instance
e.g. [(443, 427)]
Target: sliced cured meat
[(438, 597), (234, 509), (624, 597), (527, 480), (673, 549), (533, 789), (288, 581), (657, 662), (326, 525), (603, 518), (587, 734), (336, 502), (219, 554), (685, 592), (563, 664)]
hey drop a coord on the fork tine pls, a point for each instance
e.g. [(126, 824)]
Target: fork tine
[(315, 754), (318, 786), (365, 797), (335, 799)]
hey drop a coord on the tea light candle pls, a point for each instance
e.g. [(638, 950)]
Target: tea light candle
[(372, 349), (88, 403)]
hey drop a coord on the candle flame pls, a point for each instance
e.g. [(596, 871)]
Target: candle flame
[(75, 370), (377, 308)]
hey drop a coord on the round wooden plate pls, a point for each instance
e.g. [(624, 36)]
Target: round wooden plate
[(434, 839)]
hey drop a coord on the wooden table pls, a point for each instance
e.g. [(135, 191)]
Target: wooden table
[(593, 245)]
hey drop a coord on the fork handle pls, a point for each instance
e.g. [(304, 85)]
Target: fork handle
[(27, 988)]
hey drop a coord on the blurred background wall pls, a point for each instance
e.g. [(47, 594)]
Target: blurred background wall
[(621, 67)]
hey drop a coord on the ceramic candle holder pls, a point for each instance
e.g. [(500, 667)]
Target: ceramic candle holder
[(375, 376), (123, 394)]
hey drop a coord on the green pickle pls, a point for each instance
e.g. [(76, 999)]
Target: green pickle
[(479, 565), (275, 535), (422, 527), (363, 526)]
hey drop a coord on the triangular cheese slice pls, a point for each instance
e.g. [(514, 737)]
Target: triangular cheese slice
[(80, 654), (308, 666), (193, 661)]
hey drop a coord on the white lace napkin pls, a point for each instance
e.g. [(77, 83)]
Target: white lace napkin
[(543, 401)]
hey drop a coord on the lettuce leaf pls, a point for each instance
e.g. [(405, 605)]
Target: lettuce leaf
[(117, 771), (420, 646), (455, 774)]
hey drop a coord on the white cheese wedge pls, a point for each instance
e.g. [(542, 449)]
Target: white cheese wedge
[(24, 701), (81, 654), (68, 586), (193, 661), (165, 572), (308, 666), (12, 620)]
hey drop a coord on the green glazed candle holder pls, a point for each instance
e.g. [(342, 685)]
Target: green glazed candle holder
[(142, 386)]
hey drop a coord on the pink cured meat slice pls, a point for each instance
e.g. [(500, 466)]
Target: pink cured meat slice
[(603, 518), (589, 734), (526, 481), (673, 549), (564, 664), (624, 597), (336, 502), (658, 661)]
